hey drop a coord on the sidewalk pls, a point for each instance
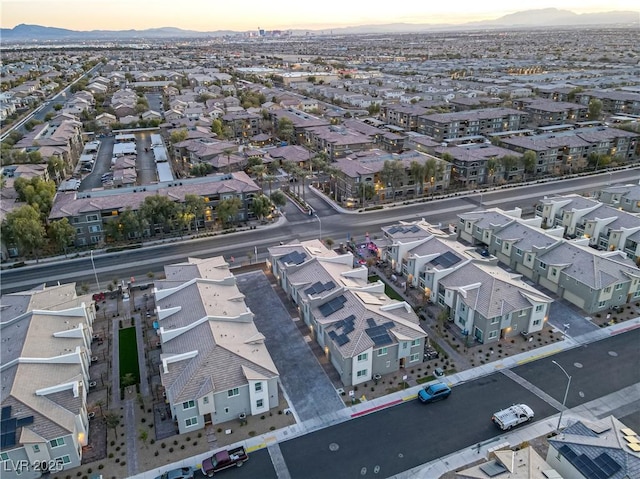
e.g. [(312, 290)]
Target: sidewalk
[(592, 410)]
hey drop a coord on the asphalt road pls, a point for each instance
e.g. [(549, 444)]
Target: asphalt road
[(258, 465), (337, 226), (405, 436)]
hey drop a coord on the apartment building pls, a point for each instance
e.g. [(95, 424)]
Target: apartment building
[(90, 211), (367, 168), (404, 116), (444, 126), (547, 112), (215, 365), (363, 332), (46, 353), (624, 197)]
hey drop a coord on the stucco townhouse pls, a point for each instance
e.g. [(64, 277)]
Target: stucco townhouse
[(215, 366), (46, 355), (363, 332)]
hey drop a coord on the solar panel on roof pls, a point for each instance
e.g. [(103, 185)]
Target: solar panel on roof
[(567, 452), (609, 465), (446, 260), (414, 229), (329, 285), (371, 322), (342, 340), (325, 309)]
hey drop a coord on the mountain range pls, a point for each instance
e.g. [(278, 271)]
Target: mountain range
[(548, 17)]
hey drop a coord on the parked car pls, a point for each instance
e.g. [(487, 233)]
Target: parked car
[(223, 460), (512, 416), (181, 473), (435, 392)]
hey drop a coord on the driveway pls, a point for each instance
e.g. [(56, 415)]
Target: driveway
[(308, 388)]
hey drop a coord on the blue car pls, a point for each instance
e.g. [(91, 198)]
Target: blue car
[(435, 392)]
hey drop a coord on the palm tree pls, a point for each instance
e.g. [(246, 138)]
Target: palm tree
[(418, 171)]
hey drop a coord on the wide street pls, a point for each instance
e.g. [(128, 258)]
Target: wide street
[(332, 224), (410, 434)]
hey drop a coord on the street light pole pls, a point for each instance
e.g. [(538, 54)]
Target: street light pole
[(320, 225), (566, 393), (94, 271)]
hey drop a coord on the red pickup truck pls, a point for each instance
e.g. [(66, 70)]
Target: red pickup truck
[(223, 460)]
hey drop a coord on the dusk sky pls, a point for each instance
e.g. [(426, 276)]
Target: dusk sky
[(210, 15)]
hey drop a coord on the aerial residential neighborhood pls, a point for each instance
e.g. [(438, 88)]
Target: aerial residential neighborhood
[(271, 250)]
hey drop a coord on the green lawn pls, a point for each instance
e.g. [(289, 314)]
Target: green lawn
[(388, 290), (128, 354)]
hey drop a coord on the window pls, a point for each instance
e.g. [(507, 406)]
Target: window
[(518, 251), (362, 357), (362, 373), (618, 286), (205, 400), (382, 351), (95, 229), (64, 460), (36, 448), (188, 404), (192, 421), (415, 342), (78, 231), (498, 241), (226, 410), (258, 387), (522, 312), (259, 403), (602, 304), (495, 320), (536, 322), (543, 265), (554, 271), (539, 308), (233, 392), (92, 217), (493, 334), (607, 289), (414, 357), (57, 442)]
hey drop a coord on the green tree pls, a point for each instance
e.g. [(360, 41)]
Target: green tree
[(261, 206), (286, 129), (278, 198), (61, 234), (132, 223), (159, 211), (217, 128), (178, 136), (365, 192), (529, 161), (24, 228), (595, 108), (391, 174), (37, 192), (418, 171), (508, 163), (56, 168), (227, 211), (201, 169), (492, 164), (194, 206)]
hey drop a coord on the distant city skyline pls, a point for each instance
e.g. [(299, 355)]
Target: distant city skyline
[(206, 15)]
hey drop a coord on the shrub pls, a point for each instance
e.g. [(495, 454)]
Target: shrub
[(182, 447), (188, 438), (272, 428), (170, 449), (262, 417), (252, 433), (100, 466), (163, 445), (156, 453), (110, 455), (199, 434)]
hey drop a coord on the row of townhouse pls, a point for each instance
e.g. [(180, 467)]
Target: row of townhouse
[(595, 281), (89, 212), (605, 227), (46, 354), (215, 365), (363, 332), (485, 302)]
